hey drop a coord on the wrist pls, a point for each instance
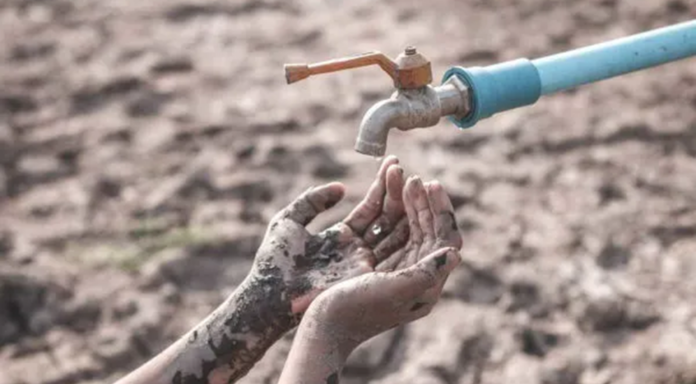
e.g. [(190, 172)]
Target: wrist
[(319, 325), (315, 339), (317, 355), (224, 346)]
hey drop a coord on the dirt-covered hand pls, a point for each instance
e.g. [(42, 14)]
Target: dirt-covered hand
[(304, 264), (411, 280), (359, 309)]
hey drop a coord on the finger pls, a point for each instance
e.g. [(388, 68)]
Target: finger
[(432, 295), (393, 242), (420, 309), (314, 201), (416, 232), (427, 273), (445, 223), (393, 209), (371, 206), (425, 215), (394, 202), (411, 211), (440, 263), (424, 303)]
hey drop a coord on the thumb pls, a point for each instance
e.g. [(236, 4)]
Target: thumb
[(312, 202), (425, 274)]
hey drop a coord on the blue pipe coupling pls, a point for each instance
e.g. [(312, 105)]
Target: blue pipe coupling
[(497, 88), (521, 82)]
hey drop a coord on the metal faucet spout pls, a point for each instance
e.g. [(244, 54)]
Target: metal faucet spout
[(408, 109), (374, 128)]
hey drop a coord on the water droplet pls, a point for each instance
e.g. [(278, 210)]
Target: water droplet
[(378, 158), (376, 230)]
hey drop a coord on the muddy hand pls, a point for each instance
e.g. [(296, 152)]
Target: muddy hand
[(430, 222), (358, 309), (409, 281), (308, 264)]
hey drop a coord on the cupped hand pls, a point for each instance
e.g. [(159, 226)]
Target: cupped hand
[(406, 285), (309, 264)]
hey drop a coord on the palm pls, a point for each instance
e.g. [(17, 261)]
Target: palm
[(333, 255)]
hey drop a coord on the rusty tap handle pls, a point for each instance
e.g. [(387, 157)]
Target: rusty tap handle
[(297, 72)]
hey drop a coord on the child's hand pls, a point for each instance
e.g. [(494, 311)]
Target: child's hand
[(357, 309), (300, 265)]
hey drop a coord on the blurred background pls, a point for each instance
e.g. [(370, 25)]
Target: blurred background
[(145, 144)]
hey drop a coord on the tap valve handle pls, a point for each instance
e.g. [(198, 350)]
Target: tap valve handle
[(410, 70), (297, 72)]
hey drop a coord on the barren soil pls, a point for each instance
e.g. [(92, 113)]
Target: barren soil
[(145, 144)]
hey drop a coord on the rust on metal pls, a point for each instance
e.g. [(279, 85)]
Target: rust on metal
[(410, 69)]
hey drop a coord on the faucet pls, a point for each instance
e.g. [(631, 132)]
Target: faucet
[(414, 104), (468, 95)]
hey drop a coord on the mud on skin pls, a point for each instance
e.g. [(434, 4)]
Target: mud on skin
[(221, 336), (332, 379), (320, 251), (238, 333)]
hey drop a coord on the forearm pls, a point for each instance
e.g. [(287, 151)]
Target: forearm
[(317, 355), (224, 346)]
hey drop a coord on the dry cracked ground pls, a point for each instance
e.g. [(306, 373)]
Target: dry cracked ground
[(145, 144)]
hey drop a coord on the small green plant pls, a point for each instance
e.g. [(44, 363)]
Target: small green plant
[(144, 242)]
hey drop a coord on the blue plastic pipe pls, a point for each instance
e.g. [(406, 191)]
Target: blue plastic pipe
[(521, 82)]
